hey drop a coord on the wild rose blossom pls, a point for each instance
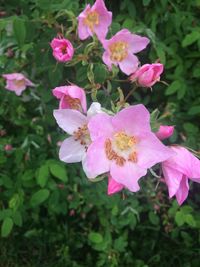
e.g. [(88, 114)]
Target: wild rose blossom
[(178, 169), (63, 50), (147, 75), (124, 146), (120, 50), (17, 82), (72, 97), (73, 148), (94, 20), (164, 132)]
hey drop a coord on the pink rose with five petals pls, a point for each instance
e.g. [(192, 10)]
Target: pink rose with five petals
[(17, 82), (120, 50), (164, 132), (72, 97), (95, 19), (147, 75), (178, 169), (63, 50), (73, 149), (124, 146)]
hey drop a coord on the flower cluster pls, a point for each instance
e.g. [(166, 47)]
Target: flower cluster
[(119, 145)]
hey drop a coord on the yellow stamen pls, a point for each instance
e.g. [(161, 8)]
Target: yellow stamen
[(82, 135), (20, 83), (74, 103), (118, 50), (123, 141), (92, 20)]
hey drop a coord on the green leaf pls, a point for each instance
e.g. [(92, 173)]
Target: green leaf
[(43, 175), (39, 197), (95, 237), (17, 218), (154, 219), (146, 2), (19, 30), (191, 38), (174, 87), (100, 73), (194, 110), (189, 219), (6, 227), (58, 171), (180, 218)]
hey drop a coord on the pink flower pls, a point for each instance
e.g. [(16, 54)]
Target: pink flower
[(17, 82), (124, 146), (164, 132), (8, 147), (95, 19), (147, 75), (113, 186), (63, 50), (73, 148), (178, 169), (71, 96), (120, 50)]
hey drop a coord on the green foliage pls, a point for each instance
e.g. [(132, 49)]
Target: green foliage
[(50, 214)]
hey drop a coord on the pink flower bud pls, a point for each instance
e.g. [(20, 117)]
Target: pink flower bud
[(63, 50), (8, 147), (165, 132), (72, 213), (113, 186), (147, 75)]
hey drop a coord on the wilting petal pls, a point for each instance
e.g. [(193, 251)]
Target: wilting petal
[(69, 120), (172, 178), (94, 109), (183, 190), (127, 175), (71, 151), (113, 186)]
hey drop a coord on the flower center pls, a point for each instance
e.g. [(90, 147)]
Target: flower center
[(123, 141), (74, 103), (121, 148), (92, 19), (19, 83), (82, 135), (119, 51), (64, 49)]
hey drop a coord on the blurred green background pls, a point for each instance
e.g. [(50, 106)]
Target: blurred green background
[(50, 214)]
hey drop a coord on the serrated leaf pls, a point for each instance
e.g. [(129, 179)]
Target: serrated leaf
[(39, 197), (180, 218), (95, 237), (17, 218), (191, 38), (194, 110), (189, 219), (154, 219), (19, 30), (42, 176), (6, 227), (173, 88), (58, 171)]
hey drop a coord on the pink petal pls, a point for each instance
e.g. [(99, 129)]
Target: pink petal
[(113, 186), (172, 178), (96, 161), (134, 120), (151, 151), (184, 162), (183, 191), (69, 120), (107, 61), (100, 126), (127, 175), (83, 32), (137, 43), (71, 151), (129, 64)]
